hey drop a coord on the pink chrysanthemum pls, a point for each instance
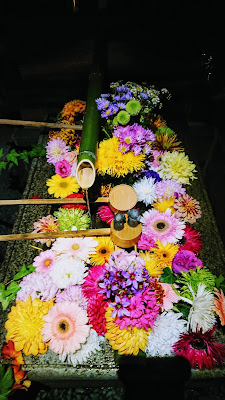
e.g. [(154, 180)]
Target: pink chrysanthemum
[(162, 226), (65, 327), (200, 349), (63, 168), (96, 309), (37, 285), (46, 224), (105, 214), (72, 293), (191, 240), (90, 285), (145, 242), (168, 188), (44, 261), (56, 150)]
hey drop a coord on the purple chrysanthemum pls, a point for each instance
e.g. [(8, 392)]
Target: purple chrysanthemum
[(185, 260), (38, 286), (72, 293), (168, 188)]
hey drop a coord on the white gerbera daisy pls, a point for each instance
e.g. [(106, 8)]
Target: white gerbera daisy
[(166, 331), (145, 189), (92, 345), (76, 247), (68, 270), (201, 315)]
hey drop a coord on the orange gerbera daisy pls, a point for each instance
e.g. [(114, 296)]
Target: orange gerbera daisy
[(219, 302)]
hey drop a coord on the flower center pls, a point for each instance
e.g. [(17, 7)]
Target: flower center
[(63, 184), (161, 226), (164, 255), (47, 262), (75, 246), (198, 344), (127, 140), (63, 326), (103, 251)]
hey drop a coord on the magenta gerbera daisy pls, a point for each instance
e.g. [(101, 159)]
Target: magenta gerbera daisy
[(200, 349), (90, 286), (191, 240), (56, 150), (44, 261), (162, 226), (65, 327), (168, 188)]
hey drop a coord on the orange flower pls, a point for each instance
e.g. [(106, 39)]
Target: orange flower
[(8, 351), (219, 305), (72, 108), (20, 379)]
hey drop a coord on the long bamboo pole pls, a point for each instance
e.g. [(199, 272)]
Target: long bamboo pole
[(49, 201), (54, 235), (40, 124)]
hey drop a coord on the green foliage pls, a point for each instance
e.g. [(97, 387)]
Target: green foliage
[(167, 276), (6, 382), (220, 282), (13, 157)]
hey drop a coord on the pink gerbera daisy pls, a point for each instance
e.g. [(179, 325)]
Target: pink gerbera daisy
[(168, 188), (191, 240), (162, 226), (65, 327), (44, 261), (56, 150), (97, 305), (200, 349), (81, 247), (90, 286), (105, 214)]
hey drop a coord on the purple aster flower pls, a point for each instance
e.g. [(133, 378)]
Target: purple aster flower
[(150, 137), (121, 105), (122, 88), (146, 149), (120, 307), (152, 174), (185, 260), (124, 147), (144, 95), (102, 104), (137, 149), (132, 276)]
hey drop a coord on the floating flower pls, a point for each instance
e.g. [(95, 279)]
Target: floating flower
[(72, 219), (56, 150), (97, 305), (72, 108), (133, 107), (37, 285), (191, 240), (219, 305), (121, 259), (162, 205), (90, 286), (104, 248), (145, 189), (162, 226), (200, 349), (68, 270), (75, 205), (145, 242), (24, 325), (165, 333), (178, 167), (170, 296), (63, 168), (123, 117), (165, 253), (65, 327), (105, 214), (191, 279), (46, 224), (81, 247), (185, 260), (62, 187), (20, 381), (44, 261), (168, 188), (166, 142), (72, 293), (8, 352), (188, 209), (151, 263)]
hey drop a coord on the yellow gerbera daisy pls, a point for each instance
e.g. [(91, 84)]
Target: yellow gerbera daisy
[(62, 187), (25, 324), (125, 341), (151, 263), (162, 205), (165, 254), (104, 248), (111, 161)]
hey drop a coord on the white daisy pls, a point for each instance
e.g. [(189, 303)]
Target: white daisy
[(166, 331), (201, 315), (68, 270), (145, 189), (76, 247)]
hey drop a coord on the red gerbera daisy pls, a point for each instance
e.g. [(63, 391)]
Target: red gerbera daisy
[(96, 309), (200, 349), (191, 240), (90, 285), (75, 196)]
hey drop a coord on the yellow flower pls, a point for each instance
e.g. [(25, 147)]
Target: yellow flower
[(104, 248), (151, 263), (112, 162), (62, 187), (126, 341), (165, 254), (25, 324), (162, 205), (177, 166)]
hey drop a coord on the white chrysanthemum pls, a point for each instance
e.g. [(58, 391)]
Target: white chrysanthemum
[(76, 247), (145, 189), (201, 315), (92, 345), (166, 331), (68, 270)]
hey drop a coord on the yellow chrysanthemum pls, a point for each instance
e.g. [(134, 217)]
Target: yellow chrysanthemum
[(62, 187), (151, 263), (111, 161), (105, 190), (165, 254), (125, 341), (25, 324), (104, 248), (162, 205), (177, 166)]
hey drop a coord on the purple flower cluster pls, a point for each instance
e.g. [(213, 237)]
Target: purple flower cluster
[(134, 138), (152, 174), (111, 104)]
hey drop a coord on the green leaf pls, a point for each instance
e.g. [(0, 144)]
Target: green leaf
[(12, 156), (31, 268), (2, 371), (4, 301), (184, 308), (3, 165), (1, 152), (7, 381), (2, 287), (12, 288), (219, 280), (10, 165), (37, 151), (22, 272), (25, 156), (167, 276)]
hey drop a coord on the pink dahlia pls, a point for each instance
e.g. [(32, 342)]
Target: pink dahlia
[(188, 209), (145, 242), (72, 293), (46, 224), (63, 168), (168, 188), (185, 260), (65, 327), (200, 349), (191, 240), (37, 285), (56, 150), (96, 309), (162, 226), (105, 214), (170, 296), (44, 261), (90, 286)]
